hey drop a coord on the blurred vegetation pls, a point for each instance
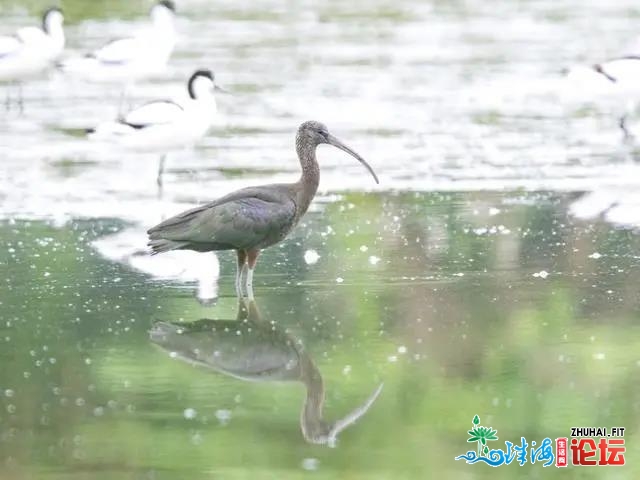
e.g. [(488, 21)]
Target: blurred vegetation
[(78, 10), (438, 299)]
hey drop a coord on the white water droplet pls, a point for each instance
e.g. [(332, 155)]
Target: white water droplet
[(311, 257), (541, 274), (189, 413), (310, 464), (223, 415)]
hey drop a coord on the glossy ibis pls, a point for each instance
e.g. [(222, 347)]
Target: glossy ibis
[(253, 218)]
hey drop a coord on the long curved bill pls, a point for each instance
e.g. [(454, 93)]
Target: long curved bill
[(338, 144), (352, 417)]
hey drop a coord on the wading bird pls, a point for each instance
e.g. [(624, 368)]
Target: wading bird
[(615, 82), (253, 218), (127, 60), (164, 125), (31, 51), (253, 349)]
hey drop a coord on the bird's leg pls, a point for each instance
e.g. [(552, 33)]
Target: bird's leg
[(245, 272), (242, 262), (20, 98), (7, 98), (623, 125), (121, 101), (160, 173), (252, 259), (243, 310)]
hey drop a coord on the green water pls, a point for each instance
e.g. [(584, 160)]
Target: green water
[(440, 297), (500, 305)]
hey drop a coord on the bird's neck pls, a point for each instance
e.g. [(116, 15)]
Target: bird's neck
[(203, 96), (310, 178), (164, 26), (56, 33), (313, 426)]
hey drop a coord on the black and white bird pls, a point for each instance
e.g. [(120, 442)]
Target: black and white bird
[(31, 51), (164, 125), (127, 60), (616, 82)]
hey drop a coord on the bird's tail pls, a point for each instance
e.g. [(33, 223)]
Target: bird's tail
[(109, 130), (76, 66), (161, 245)]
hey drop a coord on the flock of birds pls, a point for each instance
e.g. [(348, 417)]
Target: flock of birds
[(247, 220), (158, 126)]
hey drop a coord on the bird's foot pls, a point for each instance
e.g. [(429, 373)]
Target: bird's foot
[(627, 136)]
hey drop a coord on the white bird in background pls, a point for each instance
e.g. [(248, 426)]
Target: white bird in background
[(164, 125), (616, 82), (31, 51), (127, 60)]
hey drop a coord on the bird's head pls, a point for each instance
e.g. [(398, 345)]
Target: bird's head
[(316, 133), (52, 18), (163, 12), (202, 83), (318, 431)]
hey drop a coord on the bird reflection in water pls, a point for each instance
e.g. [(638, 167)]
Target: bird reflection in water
[(252, 349)]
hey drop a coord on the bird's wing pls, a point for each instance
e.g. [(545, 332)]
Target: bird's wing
[(9, 45), (240, 220), (32, 35), (118, 51), (626, 69), (631, 49), (154, 113)]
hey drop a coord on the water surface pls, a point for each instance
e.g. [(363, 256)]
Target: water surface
[(492, 272), (439, 296)]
